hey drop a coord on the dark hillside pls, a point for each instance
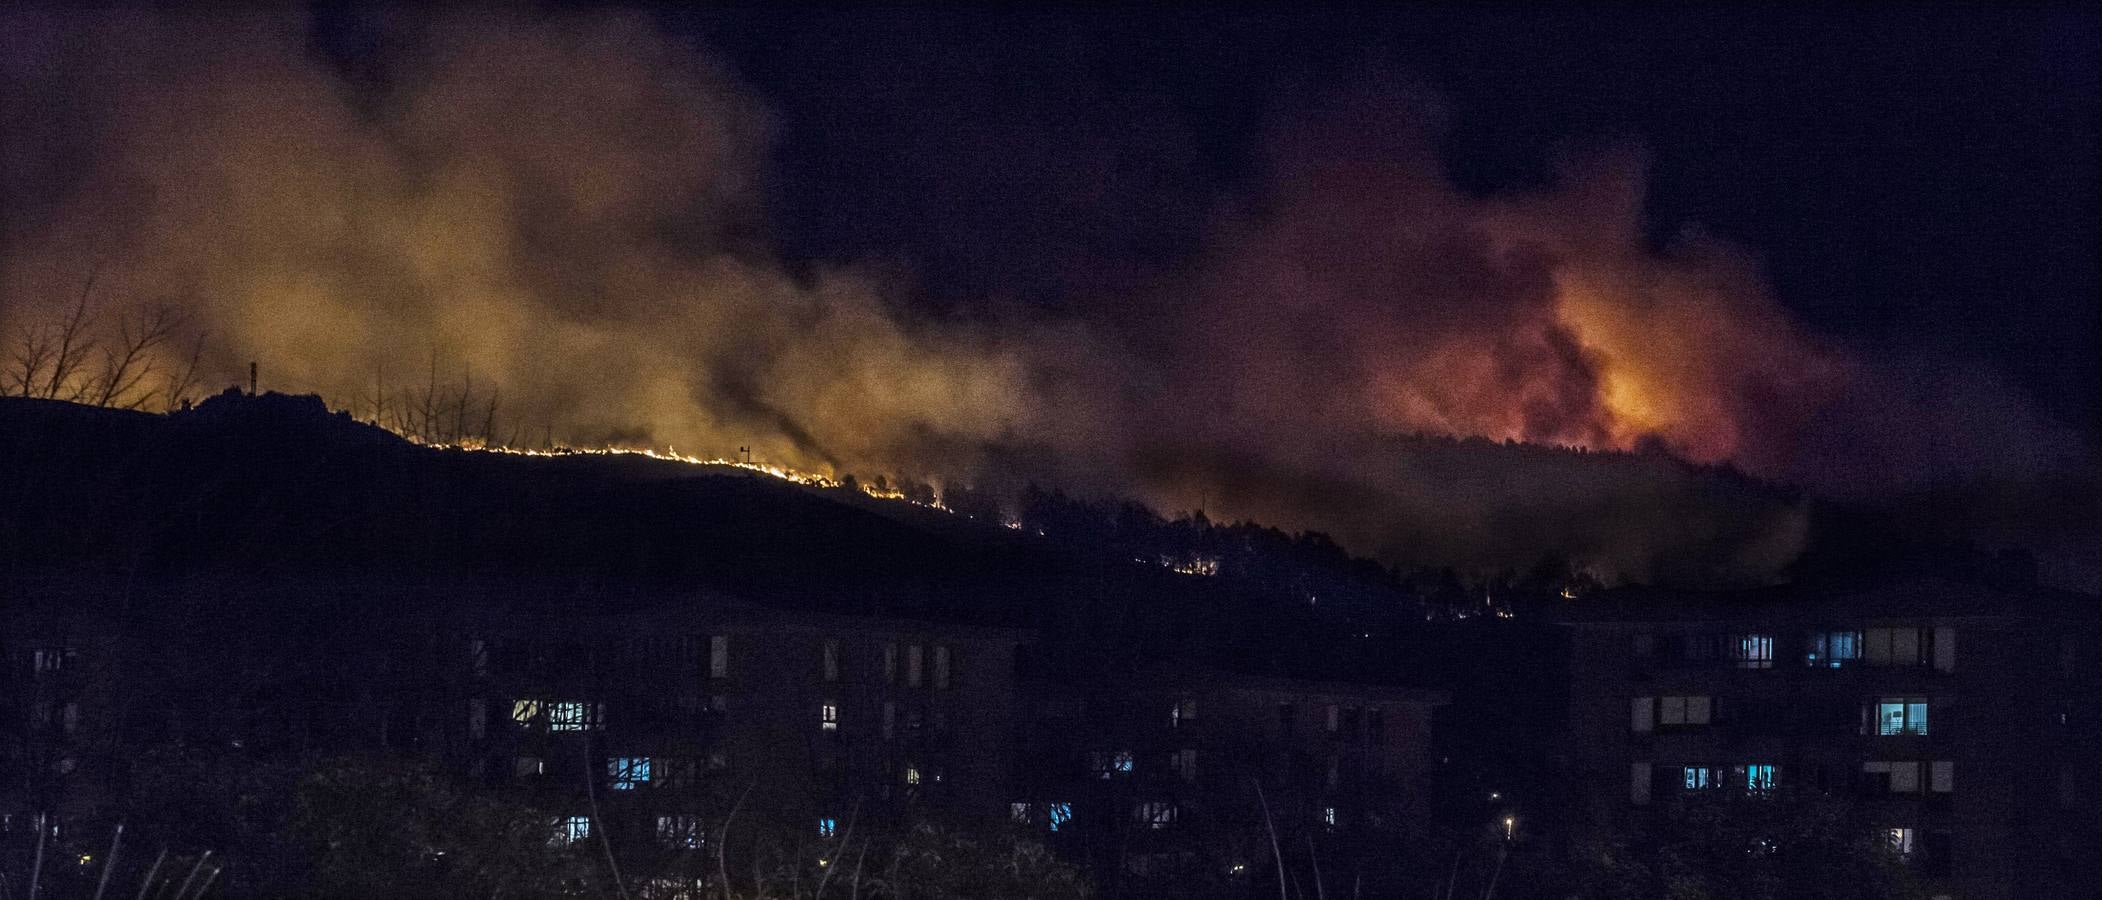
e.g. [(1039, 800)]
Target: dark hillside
[(278, 485)]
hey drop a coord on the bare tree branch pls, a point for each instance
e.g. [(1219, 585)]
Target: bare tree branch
[(126, 364), (181, 381), (73, 340)]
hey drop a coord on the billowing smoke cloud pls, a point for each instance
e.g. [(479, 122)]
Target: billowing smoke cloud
[(561, 212), (565, 215)]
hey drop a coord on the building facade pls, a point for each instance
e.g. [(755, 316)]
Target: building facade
[(1961, 719), (1174, 782), (645, 727)]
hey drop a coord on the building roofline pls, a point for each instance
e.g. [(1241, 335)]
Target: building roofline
[(1917, 596)]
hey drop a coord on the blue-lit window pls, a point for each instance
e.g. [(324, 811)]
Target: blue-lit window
[(1752, 651), (1699, 778), (827, 827), (628, 772), (1895, 715), (571, 829), (571, 715), (1758, 777), (1108, 764), (1833, 650), (1060, 814)]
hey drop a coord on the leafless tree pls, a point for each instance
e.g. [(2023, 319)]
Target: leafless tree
[(46, 358), (129, 361), (182, 379), (73, 341)]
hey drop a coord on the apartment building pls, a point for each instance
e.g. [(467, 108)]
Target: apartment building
[(1963, 717), (1173, 782), (643, 716), (666, 719), (645, 723)]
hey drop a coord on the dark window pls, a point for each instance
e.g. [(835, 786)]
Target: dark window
[(1833, 650), (1285, 715)]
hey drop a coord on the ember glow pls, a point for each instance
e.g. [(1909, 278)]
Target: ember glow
[(486, 237)]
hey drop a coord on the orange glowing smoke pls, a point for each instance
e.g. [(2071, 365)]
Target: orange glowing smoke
[(559, 214)]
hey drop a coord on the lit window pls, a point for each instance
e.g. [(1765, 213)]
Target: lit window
[(912, 775), (1758, 777), (719, 656), (828, 717), (1752, 651), (1701, 778), (1122, 762), (680, 832), (571, 829), (1833, 649), (1059, 813), (572, 715), (525, 711), (51, 659), (628, 772), (832, 659), (1328, 816), (1155, 813), (827, 827), (1901, 716), (1899, 840)]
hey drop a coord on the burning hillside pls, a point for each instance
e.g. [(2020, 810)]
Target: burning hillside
[(531, 235)]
